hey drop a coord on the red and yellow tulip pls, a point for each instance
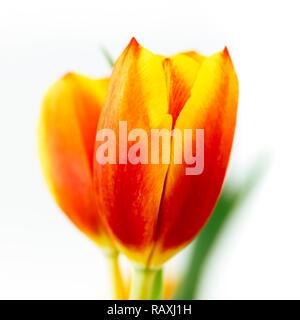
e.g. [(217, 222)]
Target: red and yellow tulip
[(152, 211), (148, 211), (67, 130)]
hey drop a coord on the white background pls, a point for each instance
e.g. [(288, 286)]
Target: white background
[(41, 254)]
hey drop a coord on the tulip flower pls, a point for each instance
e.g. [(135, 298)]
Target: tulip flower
[(67, 130), (154, 210)]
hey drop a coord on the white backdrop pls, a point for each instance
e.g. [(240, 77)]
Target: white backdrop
[(41, 254)]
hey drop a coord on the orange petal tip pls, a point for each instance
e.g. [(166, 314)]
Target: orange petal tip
[(133, 42), (226, 52)]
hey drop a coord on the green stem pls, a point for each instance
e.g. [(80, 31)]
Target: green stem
[(118, 287), (157, 290), (143, 283)]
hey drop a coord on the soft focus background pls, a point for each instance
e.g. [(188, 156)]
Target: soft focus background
[(41, 254)]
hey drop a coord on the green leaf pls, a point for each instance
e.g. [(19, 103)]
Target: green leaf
[(107, 56), (231, 197)]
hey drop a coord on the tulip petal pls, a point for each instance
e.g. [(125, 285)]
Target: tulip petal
[(189, 199), (181, 72), (67, 131), (129, 195), (195, 55)]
